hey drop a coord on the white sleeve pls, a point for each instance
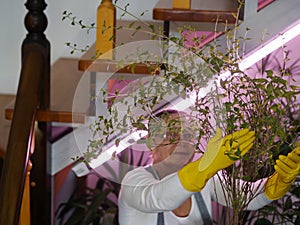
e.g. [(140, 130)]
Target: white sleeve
[(140, 190), (255, 198)]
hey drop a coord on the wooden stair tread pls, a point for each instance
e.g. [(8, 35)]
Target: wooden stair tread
[(200, 11), (64, 80), (124, 34), (86, 63)]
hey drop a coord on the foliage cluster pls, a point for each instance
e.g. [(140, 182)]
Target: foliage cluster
[(218, 94)]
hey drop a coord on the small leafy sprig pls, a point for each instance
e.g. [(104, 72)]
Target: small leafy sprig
[(74, 48), (74, 21)]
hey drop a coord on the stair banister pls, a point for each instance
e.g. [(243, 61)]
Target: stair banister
[(33, 92), (20, 139)]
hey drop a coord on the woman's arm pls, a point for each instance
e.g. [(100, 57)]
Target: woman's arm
[(140, 190)]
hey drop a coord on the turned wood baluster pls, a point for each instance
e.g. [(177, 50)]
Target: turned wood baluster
[(25, 218)]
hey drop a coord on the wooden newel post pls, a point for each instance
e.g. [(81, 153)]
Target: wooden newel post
[(36, 23), (106, 23)]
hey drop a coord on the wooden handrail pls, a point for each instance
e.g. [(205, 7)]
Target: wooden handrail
[(20, 138)]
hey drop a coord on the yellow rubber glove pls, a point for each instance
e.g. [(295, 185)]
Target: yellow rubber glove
[(219, 154), (286, 170)]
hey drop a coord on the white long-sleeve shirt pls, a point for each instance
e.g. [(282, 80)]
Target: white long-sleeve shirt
[(142, 197)]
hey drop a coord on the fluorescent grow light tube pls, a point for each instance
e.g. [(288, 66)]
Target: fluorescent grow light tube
[(268, 48), (108, 153)]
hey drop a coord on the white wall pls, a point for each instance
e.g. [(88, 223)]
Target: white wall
[(13, 32)]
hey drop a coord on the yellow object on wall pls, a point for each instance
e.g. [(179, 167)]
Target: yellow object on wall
[(105, 39), (181, 4)]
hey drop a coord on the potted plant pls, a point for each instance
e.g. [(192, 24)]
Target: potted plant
[(98, 204)]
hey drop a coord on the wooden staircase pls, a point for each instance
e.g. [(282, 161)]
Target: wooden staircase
[(64, 79)]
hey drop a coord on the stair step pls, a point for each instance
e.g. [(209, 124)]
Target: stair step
[(200, 11), (126, 32), (65, 77), (52, 116)]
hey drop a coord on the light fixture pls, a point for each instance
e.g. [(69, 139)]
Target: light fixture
[(114, 149), (277, 42)]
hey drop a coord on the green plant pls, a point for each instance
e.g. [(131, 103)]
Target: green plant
[(93, 206), (264, 101)]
